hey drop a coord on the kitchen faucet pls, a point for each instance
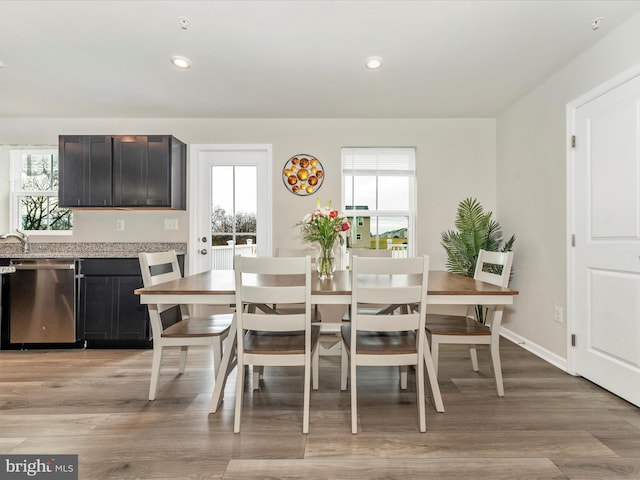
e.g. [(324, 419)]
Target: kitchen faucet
[(24, 239)]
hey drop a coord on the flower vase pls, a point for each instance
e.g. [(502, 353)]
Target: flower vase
[(326, 264)]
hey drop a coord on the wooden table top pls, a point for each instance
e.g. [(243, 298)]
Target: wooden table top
[(222, 282)]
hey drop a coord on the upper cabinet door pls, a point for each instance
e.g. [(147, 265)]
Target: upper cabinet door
[(130, 166), (149, 171), (85, 171)]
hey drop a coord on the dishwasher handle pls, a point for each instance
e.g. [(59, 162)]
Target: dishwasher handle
[(43, 266)]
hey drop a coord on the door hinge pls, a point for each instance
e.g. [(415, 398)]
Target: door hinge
[(573, 339), (573, 239), (573, 141)]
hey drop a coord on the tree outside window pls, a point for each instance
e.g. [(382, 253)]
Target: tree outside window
[(35, 194), (222, 226)]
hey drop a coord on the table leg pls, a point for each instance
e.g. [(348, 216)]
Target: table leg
[(433, 379), (225, 368)]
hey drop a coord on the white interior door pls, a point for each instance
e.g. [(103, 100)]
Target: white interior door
[(229, 184), (605, 297)]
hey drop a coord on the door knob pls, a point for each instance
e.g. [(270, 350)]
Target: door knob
[(203, 251)]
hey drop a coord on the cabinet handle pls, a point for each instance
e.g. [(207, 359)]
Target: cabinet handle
[(203, 251)]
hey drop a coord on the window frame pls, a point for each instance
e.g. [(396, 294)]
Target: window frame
[(15, 191), (408, 171)]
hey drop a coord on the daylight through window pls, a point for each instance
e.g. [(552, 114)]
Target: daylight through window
[(34, 199), (379, 197)]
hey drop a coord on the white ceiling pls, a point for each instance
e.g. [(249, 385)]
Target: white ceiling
[(290, 59)]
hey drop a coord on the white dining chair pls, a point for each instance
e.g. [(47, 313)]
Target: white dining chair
[(367, 252), (491, 267), (171, 325), (266, 338), (298, 252), (378, 309), (396, 339), (258, 371)]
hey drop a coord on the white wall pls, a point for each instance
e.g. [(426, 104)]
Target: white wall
[(455, 159), (531, 183)]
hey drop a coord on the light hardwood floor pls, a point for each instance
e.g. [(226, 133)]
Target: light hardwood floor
[(93, 403)]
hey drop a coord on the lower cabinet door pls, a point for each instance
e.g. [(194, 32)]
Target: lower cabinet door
[(131, 317), (110, 314)]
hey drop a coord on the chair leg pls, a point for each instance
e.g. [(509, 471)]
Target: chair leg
[(239, 391), (258, 371), (307, 395), (497, 367), (403, 377), (155, 371), (422, 422), (315, 365), (354, 396), (344, 367), (474, 357), (184, 350)]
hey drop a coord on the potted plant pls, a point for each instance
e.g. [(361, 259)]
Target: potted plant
[(475, 230)]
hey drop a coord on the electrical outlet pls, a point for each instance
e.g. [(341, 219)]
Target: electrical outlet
[(120, 225), (558, 314), (171, 224)]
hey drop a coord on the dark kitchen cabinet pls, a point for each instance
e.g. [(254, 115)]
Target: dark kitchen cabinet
[(122, 171), (86, 173), (109, 314), (149, 171)]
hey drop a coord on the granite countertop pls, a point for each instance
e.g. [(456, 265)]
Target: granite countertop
[(4, 270), (86, 250)]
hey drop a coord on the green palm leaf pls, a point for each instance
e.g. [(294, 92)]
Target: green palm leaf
[(475, 230)]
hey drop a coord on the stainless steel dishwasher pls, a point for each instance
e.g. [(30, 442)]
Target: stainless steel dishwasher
[(42, 301)]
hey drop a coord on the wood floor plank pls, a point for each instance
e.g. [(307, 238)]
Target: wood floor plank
[(459, 445), (399, 468), (599, 468)]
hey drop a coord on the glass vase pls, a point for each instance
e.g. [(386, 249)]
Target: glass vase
[(326, 264)]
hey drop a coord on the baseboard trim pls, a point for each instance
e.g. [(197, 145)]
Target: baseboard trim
[(536, 349)]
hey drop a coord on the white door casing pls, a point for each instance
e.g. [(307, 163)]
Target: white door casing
[(201, 160), (604, 215)]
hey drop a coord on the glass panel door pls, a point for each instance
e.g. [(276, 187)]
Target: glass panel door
[(233, 213)]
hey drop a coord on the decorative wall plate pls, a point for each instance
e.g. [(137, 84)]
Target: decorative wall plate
[(303, 174)]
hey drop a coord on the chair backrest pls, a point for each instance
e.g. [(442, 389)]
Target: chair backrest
[(494, 267), (295, 252), (368, 252), (298, 252), (395, 281), (270, 280), (160, 267)]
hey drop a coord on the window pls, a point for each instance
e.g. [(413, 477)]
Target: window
[(234, 207), (34, 197), (378, 192)]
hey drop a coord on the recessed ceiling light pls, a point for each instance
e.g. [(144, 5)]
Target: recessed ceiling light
[(374, 63), (181, 62)]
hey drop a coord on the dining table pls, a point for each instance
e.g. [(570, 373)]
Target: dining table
[(217, 287)]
